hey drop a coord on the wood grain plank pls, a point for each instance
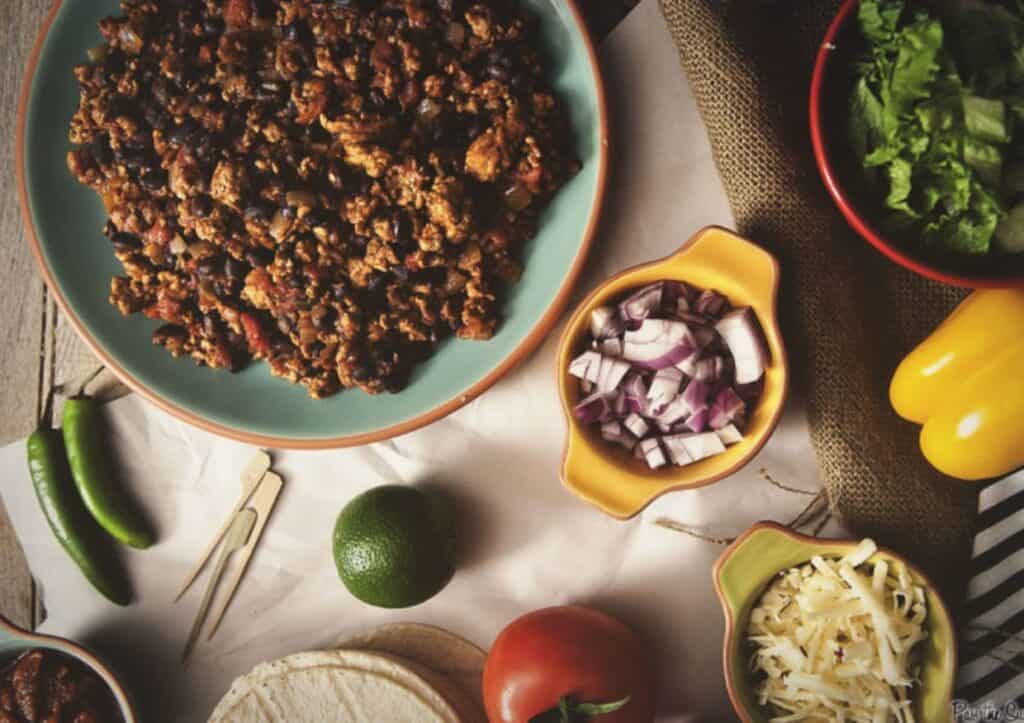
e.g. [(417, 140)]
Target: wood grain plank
[(23, 349)]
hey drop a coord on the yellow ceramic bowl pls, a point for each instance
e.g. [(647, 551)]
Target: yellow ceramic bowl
[(610, 477), (747, 567)]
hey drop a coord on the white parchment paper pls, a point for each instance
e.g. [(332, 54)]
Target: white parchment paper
[(526, 542)]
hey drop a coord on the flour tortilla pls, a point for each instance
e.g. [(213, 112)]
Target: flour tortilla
[(430, 647), (336, 686)]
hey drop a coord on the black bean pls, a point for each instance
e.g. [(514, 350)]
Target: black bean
[(520, 82), (236, 270), (154, 180), (124, 241), (360, 241), (354, 4), (317, 217), (446, 6), (401, 226), (361, 373), (259, 257), (101, 150), (400, 272), (209, 265), (213, 25), (182, 134), (201, 206)]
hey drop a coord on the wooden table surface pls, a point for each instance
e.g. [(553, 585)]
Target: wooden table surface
[(38, 349)]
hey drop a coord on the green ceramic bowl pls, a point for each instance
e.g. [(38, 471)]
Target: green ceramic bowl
[(14, 641), (747, 567), (64, 222)]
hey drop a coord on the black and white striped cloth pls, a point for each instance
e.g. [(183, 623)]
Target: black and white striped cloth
[(991, 673)]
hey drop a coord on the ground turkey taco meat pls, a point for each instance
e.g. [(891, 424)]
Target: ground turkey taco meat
[(332, 187)]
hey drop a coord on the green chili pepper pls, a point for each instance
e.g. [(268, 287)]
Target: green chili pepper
[(71, 523), (93, 474)]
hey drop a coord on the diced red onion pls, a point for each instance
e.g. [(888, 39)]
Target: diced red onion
[(613, 432), (611, 347), (636, 424), (605, 322), (701, 446), (743, 335), (641, 304), (673, 412), (724, 409), (729, 434), (592, 409), (704, 335), (677, 449), (586, 366), (664, 388), (695, 396), (653, 454), (635, 390), (711, 303), (698, 421), (611, 373), (704, 370), (658, 343)]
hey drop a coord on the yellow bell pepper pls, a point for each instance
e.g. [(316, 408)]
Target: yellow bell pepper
[(965, 384)]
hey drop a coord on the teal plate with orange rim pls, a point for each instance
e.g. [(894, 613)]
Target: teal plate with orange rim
[(65, 220)]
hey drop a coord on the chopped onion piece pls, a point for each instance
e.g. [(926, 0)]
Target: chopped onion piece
[(611, 347), (675, 410), (612, 431), (698, 421), (724, 409), (592, 409), (643, 303), (605, 322), (664, 388), (743, 335), (701, 446), (677, 450), (704, 335), (711, 303), (729, 435), (704, 370), (653, 454), (586, 387), (636, 424), (635, 390), (696, 396), (586, 366), (658, 343), (611, 373)]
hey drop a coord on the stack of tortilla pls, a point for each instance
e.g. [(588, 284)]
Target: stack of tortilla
[(403, 673)]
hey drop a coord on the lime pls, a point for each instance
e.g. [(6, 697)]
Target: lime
[(395, 546)]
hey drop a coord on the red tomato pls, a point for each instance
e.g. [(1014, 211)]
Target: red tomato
[(570, 651)]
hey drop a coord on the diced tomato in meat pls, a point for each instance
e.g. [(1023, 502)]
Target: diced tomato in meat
[(157, 234), (259, 342), (165, 308), (531, 179), (238, 13)]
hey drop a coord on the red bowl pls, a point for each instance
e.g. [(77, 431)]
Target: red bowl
[(830, 86)]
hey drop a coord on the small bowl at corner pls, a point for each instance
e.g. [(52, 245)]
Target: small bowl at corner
[(612, 479), (831, 84), (749, 565), (14, 641)]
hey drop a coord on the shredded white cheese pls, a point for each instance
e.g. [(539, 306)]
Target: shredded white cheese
[(833, 641)]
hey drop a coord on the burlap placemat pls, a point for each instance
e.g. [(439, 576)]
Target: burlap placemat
[(849, 315)]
